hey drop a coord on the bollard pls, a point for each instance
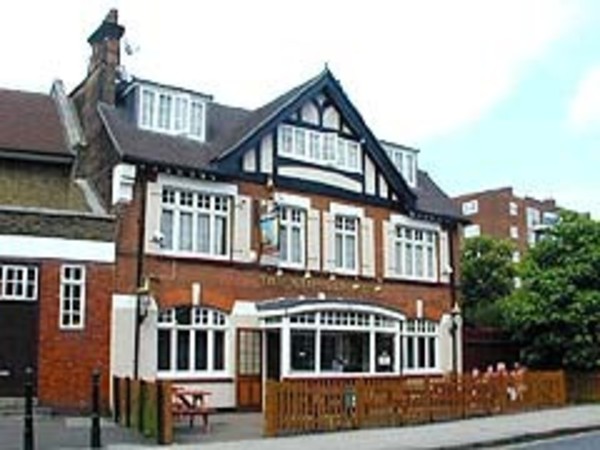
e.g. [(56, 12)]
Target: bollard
[(28, 436), (95, 439)]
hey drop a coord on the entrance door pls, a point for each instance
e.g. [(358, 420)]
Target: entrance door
[(249, 369), (18, 344), (273, 355)]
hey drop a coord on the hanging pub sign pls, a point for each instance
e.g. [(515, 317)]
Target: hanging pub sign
[(269, 229)]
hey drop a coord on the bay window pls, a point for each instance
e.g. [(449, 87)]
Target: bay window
[(195, 222), (191, 340)]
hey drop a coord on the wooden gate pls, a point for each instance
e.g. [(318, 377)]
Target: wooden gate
[(249, 369)]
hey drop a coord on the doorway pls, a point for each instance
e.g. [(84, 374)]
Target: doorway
[(249, 369)]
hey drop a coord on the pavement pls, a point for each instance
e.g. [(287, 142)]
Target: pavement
[(242, 431), (496, 431)]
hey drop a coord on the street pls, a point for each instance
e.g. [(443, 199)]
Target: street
[(585, 441)]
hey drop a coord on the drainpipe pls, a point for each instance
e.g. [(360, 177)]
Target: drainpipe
[(454, 311), (139, 275)]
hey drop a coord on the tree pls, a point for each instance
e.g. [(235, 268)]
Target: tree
[(487, 276), (556, 313)]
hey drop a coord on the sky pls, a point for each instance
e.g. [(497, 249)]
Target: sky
[(494, 93)]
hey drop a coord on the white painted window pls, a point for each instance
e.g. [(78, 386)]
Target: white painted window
[(514, 232), (472, 230), (516, 256), (420, 341), (346, 243), (18, 282), (470, 207), (170, 111), (72, 296), (292, 236), (513, 209), (415, 253), (405, 161), (317, 147), (191, 341), (195, 222)]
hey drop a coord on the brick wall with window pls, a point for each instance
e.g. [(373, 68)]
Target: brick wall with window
[(74, 332)]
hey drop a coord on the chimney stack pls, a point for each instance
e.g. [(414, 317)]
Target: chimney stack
[(105, 42)]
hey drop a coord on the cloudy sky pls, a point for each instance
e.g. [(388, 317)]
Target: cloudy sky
[(494, 93)]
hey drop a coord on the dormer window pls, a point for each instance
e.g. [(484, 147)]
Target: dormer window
[(171, 111), (405, 161)]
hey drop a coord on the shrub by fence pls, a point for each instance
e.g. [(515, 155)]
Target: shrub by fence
[(145, 406), (300, 406)]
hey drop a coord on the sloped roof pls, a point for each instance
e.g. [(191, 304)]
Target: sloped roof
[(228, 128), (30, 123)]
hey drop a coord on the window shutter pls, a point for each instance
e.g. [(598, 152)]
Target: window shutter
[(152, 219), (368, 247), (389, 256), (313, 240), (242, 229), (444, 252), (328, 242)]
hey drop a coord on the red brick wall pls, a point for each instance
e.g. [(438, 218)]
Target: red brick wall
[(224, 282), (67, 358)]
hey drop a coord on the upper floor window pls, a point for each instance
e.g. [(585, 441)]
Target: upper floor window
[(533, 217), (472, 230), (514, 232), (172, 112), (346, 243), (292, 236), (195, 222), (18, 282), (470, 207), (325, 148), (72, 296), (405, 161), (415, 253), (191, 340), (513, 209)]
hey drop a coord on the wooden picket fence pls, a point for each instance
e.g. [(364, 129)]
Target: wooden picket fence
[(304, 406), (583, 387), (145, 406)]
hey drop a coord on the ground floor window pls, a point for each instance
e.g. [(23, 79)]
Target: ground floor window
[(347, 342), (191, 340)]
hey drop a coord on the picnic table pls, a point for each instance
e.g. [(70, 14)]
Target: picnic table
[(191, 402)]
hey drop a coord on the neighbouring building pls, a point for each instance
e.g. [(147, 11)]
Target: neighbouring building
[(286, 241), (502, 214), (56, 255)]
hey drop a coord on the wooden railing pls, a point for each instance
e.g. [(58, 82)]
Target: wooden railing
[(301, 406), (145, 406)]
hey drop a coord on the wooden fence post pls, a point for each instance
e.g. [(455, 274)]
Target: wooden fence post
[(164, 412)]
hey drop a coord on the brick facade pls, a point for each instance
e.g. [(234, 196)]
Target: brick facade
[(67, 358)]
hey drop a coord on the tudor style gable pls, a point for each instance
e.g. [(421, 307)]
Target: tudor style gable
[(317, 141)]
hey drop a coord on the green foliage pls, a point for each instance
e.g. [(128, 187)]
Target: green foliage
[(556, 313), (487, 274)]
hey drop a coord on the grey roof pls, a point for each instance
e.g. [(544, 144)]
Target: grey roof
[(227, 128), (431, 199)]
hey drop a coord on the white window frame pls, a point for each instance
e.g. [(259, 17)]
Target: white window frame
[(514, 232), (203, 319), (470, 207), (420, 329), (67, 310), (513, 208), (405, 162), (402, 244), (176, 124), (472, 230), (27, 272), (214, 211), (346, 234), (297, 143), (292, 218)]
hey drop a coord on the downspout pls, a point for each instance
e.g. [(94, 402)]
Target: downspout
[(453, 297), (139, 275)]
